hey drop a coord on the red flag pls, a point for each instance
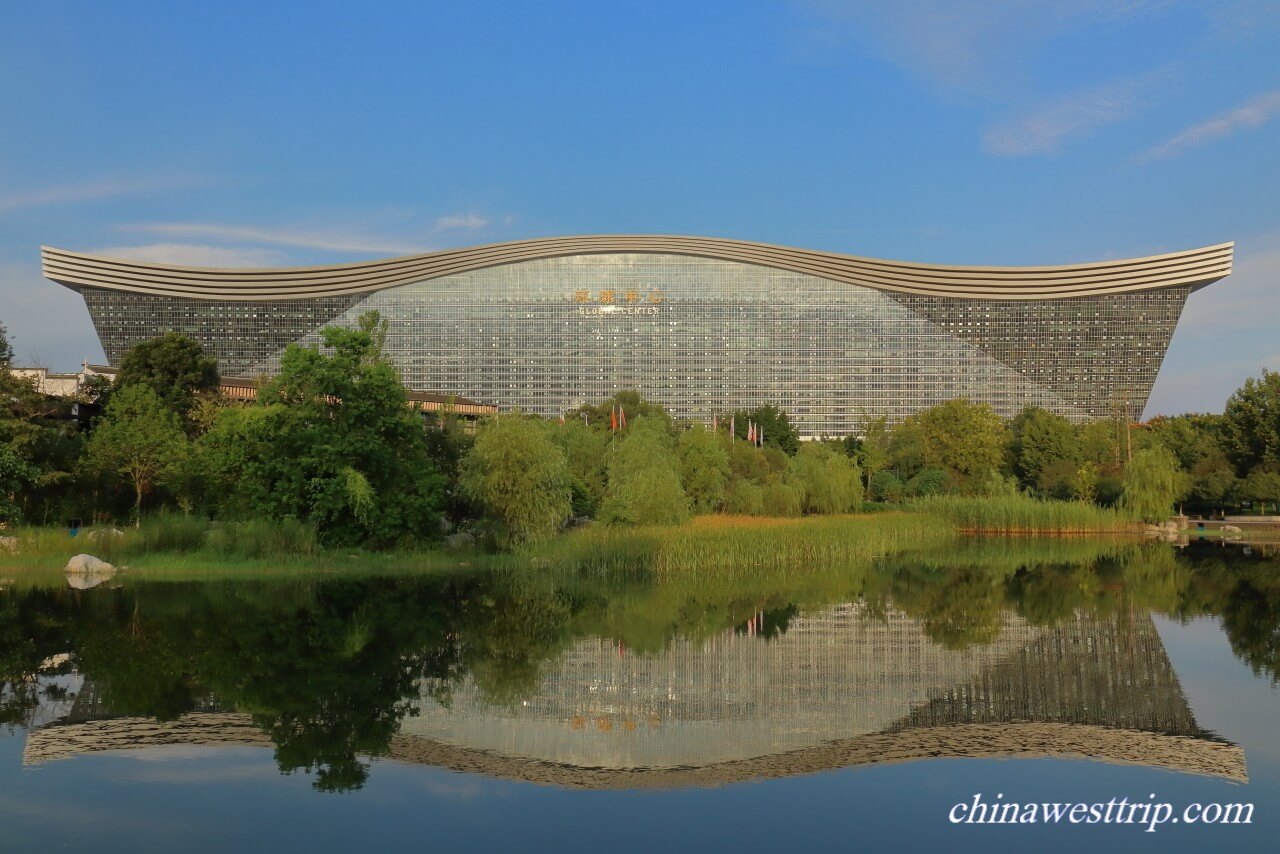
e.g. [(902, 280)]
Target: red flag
[(731, 430), (623, 413), (613, 419), (561, 419)]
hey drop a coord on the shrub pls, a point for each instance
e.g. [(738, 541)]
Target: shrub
[(926, 482), (886, 486)]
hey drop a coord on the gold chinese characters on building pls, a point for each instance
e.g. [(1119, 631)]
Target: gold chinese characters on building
[(612, 297)]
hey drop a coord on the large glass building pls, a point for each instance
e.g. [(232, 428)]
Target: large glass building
[(699, 325)]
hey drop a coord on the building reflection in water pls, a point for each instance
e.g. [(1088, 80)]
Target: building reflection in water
[(839, 687)]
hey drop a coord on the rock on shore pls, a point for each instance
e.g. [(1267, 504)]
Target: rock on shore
[(86, 571)]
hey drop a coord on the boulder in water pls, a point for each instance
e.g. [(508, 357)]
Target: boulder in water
[(86, 571), (87, 580), (88, 563)]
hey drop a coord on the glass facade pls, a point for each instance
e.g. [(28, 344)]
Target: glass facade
[(700, 335)]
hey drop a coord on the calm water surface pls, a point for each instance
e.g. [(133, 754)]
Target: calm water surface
[(607, 710)]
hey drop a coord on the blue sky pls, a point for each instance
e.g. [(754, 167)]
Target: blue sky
[(228, 134)]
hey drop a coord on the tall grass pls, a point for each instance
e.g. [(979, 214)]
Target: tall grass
[(260, 538), (723, 545), (172, 534), (1022, 514), (164, 532)]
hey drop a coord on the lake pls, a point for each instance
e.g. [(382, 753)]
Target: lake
[(595, 709)]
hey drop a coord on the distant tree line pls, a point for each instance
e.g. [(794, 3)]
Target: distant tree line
[(331, 442)]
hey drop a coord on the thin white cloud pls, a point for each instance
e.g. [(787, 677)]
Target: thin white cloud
[(197, 255), (1045, 130), (92, 191), (333, 240), (461, 222), (970, 47), (1255, 113)]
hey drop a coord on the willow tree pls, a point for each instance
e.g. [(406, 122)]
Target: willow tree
[(520, 476), (1152, 482), (704, 468), (829, 482), (644, 477)]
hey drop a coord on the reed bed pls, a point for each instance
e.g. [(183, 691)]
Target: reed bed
[(726, 545), (1022, 514)]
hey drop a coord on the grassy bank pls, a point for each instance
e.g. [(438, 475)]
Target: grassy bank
[(182, 547), (1020, 514), (188, 547)]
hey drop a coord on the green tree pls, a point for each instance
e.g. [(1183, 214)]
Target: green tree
[(6, 347), (628, 401), (1045, 449), (746, 461), (874, 454), (886, 486), (829, 482), (1262, 486), (1084, 486), (1213, 482), (926, 482), (777, 428), (1191, 438), (376, 327), (704, 468), (998, 485), (173, 366), (1251, 422), (586, 450), (1099, 443), (42, 450), (138, 438), (1058, 479), (15, 474), (520, 476), (781, 497), (743, 498), (963, 439), (447, 445), (644, 479), (1152, 482), (332, 442)]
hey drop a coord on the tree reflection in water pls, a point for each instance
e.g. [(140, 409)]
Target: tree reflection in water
[(328, 669)]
